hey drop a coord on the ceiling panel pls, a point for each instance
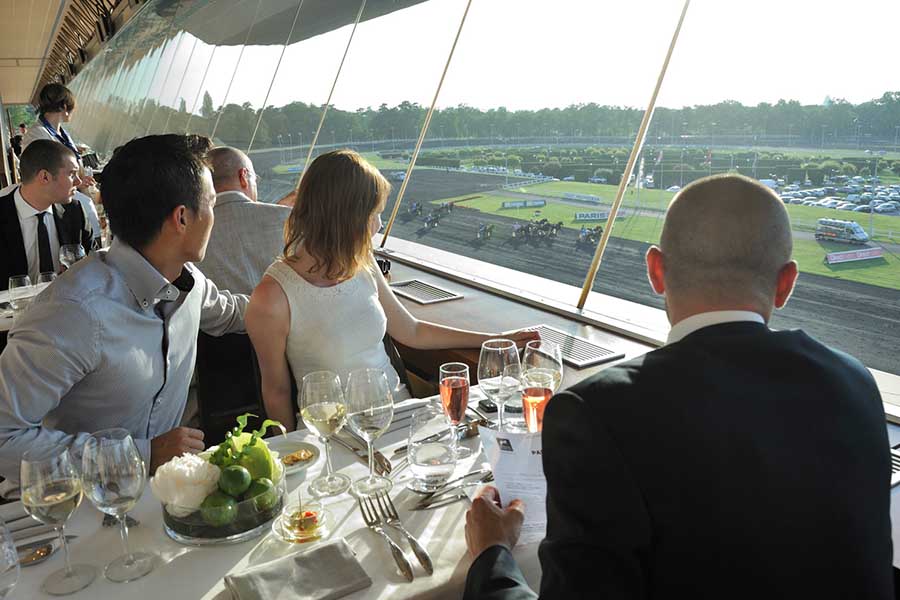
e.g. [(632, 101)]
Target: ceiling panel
[(26, 27)]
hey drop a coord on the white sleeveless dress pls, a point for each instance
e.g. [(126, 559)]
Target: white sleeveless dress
[(338, 328)]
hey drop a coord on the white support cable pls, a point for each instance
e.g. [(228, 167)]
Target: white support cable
[(337, 76), (262, 108), (415, 154)]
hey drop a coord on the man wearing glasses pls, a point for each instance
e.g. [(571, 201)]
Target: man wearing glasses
[(248, 235), (734, 462)]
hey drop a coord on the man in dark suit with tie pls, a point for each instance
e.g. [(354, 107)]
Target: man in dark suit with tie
[(734, 462), (39, 216)]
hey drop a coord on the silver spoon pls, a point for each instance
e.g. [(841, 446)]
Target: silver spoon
[(37, 555)]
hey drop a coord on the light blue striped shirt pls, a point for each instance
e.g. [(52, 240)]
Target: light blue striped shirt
[(88, 353)]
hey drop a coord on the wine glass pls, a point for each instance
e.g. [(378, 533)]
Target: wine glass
[(9, 562), (46, 277), (51, 491), (114, 475), (454, 385), (324, 411), (69, 254), (498, 364), (370, 408), (20, 292)]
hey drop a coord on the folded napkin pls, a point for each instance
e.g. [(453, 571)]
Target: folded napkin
[(325, 572)]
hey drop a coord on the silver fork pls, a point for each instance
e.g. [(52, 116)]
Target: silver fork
[(389, 516), (373, 522)]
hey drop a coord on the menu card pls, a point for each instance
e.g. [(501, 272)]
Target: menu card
[(518, 468)]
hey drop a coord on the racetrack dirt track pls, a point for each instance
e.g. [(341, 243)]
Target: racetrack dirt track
[(860, 319)]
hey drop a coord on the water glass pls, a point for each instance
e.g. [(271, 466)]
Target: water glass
[(69, 254), (324, 411), (20, 292), (9, 562), (370, 409), (431, 451), (114, 475), (499, 371), (51, 492)]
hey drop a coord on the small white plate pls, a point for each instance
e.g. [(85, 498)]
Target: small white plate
[(287, 446)]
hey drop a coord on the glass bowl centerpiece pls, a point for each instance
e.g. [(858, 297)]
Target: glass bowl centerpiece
[(225, 495)]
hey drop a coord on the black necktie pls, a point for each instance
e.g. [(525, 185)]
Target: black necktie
[(45, 258)]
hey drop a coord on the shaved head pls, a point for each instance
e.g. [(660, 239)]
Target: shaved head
[(725, 239), (231, 171)]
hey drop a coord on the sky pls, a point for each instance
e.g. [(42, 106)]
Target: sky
[(530, 54)]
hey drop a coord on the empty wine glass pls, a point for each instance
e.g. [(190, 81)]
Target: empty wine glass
[(324, 411), (20, 292), (114, 474), (69, 254), (51, 492), (454, 387), (46, 277), (498, 366), (9, 562), (370, 408)]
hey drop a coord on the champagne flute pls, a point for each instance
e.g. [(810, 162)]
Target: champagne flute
[(114, 475), (9, 562), (498, 361), (324, 411), (69, 254), (51, 491), (370, 408), (20, 292), (454, 386)]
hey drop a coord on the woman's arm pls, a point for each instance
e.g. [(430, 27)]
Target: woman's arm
[(425, 335), (268, 321)]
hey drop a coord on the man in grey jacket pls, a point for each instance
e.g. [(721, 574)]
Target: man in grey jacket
[(248, 235)]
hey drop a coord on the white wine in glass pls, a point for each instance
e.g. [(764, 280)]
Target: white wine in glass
[(323, 410), (51, 492), (370, 409)]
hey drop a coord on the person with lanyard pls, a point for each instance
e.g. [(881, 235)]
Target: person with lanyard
[(56, 103)]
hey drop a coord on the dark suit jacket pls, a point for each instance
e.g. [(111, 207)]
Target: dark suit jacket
[(71, 227), (736, 463)]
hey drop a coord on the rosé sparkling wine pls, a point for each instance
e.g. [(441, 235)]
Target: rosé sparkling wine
[(455, 397), (534, 401)]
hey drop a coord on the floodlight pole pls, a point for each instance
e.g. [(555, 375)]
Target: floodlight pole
[(629, 168)]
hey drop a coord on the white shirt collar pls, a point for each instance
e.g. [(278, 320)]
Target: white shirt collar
[(24, 209), (685, 327)]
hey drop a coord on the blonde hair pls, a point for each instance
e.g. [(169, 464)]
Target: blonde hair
[(336, 198)]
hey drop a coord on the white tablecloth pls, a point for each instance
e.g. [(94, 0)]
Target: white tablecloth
[(189, 573)]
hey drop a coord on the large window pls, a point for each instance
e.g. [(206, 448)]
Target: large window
[(536, 121)]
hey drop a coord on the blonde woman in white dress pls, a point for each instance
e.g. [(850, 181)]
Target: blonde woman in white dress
[(325, 305)]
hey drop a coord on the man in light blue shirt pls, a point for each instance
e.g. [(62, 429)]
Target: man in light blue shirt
[(112, 342)]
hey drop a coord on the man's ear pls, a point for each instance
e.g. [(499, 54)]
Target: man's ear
[(784, 285), (656, 269)]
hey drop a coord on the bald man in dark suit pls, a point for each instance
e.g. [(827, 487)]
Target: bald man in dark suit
[(734, 462)]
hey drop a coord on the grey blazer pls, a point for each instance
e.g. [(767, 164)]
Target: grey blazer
[(246, 238)]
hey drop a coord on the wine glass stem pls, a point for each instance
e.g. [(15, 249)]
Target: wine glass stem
[(371, 460), (123, 531), (329, 469), (65, 545)]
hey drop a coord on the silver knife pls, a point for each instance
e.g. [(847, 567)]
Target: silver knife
[(27, 534), (381, 460), (361, 455)]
